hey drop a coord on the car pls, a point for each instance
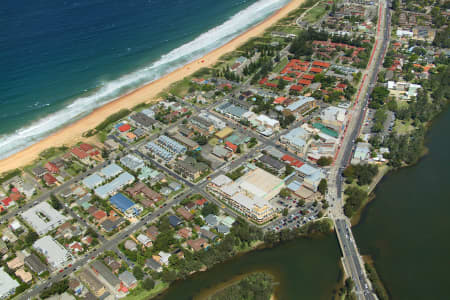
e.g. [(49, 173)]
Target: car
[(60, 271)]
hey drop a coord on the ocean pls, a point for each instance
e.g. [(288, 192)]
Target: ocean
[(61, 59)]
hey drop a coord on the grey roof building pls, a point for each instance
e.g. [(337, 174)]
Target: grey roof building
[(211, 220), (35, 264), (93, 181), (39, 171), (111, 170), (143, 119), (207, 234), (273, 163), (128, 279), (153, 264), (100, 269), (132, 162)]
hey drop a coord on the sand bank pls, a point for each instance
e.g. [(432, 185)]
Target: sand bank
[(72, 133)]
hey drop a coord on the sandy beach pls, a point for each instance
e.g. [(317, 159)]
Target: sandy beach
[(73, 133)]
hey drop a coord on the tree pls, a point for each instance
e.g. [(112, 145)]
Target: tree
[(168, 275), (324, 161), (284, 193), (138, 273), (285, 212), (31, 237), (148, 284), (54, 202), (323, 186), (209, 208)]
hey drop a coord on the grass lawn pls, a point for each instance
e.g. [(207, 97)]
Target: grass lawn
[(280, 65), (140, 293), (214, 141), (180, 88), (315, 13), (402, 127)]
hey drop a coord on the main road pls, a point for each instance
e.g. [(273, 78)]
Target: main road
[(353, 263)]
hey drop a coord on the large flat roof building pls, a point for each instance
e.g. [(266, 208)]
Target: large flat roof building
[(57, 256), (250, 194), (7, 285), (43, 218), (112, 187)]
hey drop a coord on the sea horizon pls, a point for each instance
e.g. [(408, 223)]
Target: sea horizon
[(28, 116)]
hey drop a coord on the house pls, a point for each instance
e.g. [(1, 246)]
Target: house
[(24, 275), (144, 240), (39, 171), (75, 247), (15, 263), (8, 285), (208, 234), (198, 244), (52, 168), (100, 215), (128, 279), (130, 245), (211, 220), (185, 232), (230, 146), (154, 265), (100, 269), (34, 263), (184, 213), (152, 233), (95, 285), (201, 125), (190, 168), (75, 286), (164, 257), (221, 152), (49, 179), (174, 221)]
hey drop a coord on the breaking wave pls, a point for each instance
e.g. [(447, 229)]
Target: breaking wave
[(108, 91)]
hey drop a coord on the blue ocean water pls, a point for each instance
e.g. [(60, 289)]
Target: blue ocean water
[(61, 59)]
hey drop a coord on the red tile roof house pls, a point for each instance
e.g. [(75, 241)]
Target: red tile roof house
[(297, 88), (100, 216), (184, 213), (124, 128), (198, 244), (49, 179), (185, 232), (51, 167), (75, 247), (200, 202), (7, 202), (231, 146)]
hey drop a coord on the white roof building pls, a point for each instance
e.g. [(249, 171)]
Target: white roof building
[(43, 218), (7, 284), (57, 256), (111, 170), (112, 187), (132, 162)]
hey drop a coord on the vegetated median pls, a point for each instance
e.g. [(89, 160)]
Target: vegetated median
[(377, 284)]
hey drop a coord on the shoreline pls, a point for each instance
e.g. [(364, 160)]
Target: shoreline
[(72, 133)]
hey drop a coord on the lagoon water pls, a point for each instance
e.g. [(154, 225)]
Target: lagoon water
[(405, 230), (61, 59)]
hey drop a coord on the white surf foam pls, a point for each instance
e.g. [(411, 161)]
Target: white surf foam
[(212, 39)]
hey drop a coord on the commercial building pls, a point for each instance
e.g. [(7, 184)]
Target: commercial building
[(250, 194), (273, 163), (125, 205), (333, 117), (171, 145), (225, 132), (296, 138), (43, 218), (112, 187), (57, 256), (190, 144), (362, 152), (7, 285)]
